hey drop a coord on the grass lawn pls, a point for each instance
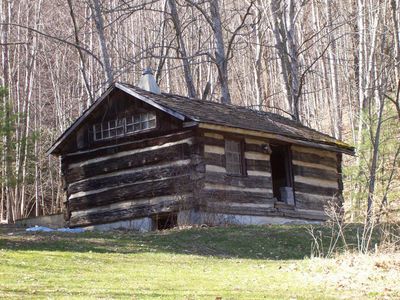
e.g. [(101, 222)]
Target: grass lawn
[(270, 262)]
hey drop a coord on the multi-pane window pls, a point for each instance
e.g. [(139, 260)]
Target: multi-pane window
[(233, 157), (119, 127), (109, 129), (140, 122)]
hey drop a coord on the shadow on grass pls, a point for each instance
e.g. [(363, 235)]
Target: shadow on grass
[(248, 242)]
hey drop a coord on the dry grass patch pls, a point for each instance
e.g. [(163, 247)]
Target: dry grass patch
[(369, 275)]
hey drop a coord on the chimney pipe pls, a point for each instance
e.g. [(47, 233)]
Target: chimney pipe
[(148, 83)]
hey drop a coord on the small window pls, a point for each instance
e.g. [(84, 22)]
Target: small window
[(108, 129), (233, 157), (140, 122), (119, 127)]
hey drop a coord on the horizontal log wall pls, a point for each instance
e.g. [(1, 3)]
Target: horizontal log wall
[(249, 194), (187, 170), (316, 179), (131, 180), (130, 209)]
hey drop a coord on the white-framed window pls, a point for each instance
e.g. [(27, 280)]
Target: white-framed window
[(140, 122), (124, 126), (108, 129)]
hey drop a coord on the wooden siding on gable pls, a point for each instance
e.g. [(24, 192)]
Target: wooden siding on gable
[(121, 106)]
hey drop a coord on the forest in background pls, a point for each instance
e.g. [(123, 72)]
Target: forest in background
[(331, 65)]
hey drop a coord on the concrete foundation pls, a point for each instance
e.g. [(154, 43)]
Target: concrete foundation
[(228, 219), (192, 217), (141, 224), (189, 217), (51, 221)]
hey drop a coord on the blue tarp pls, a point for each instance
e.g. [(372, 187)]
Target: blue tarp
[(47, 229)]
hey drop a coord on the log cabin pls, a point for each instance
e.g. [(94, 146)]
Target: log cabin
[(141, 159)]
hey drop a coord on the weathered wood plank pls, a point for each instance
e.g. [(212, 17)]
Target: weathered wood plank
[(130, 210), (214, 168), (176, 152), (231, 208), (317, 181), (235, 196), (255, 148), (239, 181), (249, 145), (312, 215), (315, 190), (132, 145), (319, 152), (259, 162), (122, 154), (131, 176), (258, 165), (215, 139), (257, 142), (169, 186), (314, 158), (214, 159), (113, 216), (313, 165), (256, 155), (212, 141), (315, 173), (309, 201), (214, 135), (258, 173), (216, 186), (214, 149)]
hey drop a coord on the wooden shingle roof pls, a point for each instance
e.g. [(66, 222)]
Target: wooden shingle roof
[(239, 117), (223, 115)]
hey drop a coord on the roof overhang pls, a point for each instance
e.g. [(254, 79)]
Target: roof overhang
[(342, 148)]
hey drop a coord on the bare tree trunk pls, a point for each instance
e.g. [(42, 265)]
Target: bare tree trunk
[(105, 56), (82, 63), (375, 153), (258, 65), (294, 59), (182, 49), (220, 58), (389, 183), (37, 163), (286, 45), (361, 71), (332, 52), (396, 33), (7, 110)]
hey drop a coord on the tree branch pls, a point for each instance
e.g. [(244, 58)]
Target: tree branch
[(54, 38)]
